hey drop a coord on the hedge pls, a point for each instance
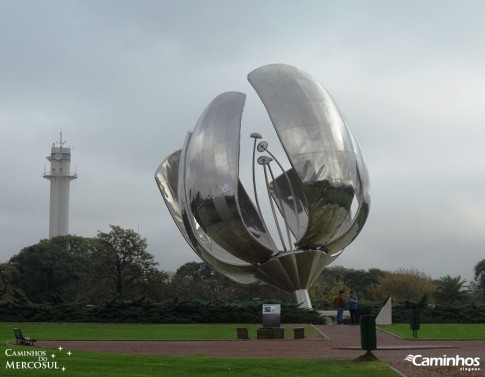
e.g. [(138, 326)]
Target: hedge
[(191, 311), (195, 311), (442, 313)]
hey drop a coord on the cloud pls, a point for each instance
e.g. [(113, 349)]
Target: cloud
[(126, 81)]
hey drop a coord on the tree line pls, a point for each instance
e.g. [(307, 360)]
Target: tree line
[(406, 286), (116, 266), (111, 266)]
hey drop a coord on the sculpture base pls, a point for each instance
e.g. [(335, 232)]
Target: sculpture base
[(302, 299), (271, 333), (294, 271)]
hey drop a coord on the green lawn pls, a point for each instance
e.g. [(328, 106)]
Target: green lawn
[(117, 331), (86, 364), (440, 331)]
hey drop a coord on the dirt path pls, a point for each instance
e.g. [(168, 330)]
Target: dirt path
[(343, 342)]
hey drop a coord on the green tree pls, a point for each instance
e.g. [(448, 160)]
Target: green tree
[(123, 263), (197, 280), (75, 245), (333, 279), (480, 276), (403, 285), (451, 289), (362, 281), (196, 271), (8, 277), (156, 286), (49, 269)]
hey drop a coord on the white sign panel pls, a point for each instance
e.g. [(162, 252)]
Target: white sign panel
[(271, 308)]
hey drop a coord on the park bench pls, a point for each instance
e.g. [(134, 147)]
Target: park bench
[(20, 339)]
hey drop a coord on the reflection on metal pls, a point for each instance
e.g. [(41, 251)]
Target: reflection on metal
[(315, 197)]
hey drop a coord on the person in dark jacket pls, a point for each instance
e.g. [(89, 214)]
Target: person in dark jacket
[(339, 303)]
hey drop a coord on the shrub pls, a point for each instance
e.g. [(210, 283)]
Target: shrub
[(189, 311)]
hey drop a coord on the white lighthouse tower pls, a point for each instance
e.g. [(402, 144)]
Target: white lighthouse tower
[(60, 177)]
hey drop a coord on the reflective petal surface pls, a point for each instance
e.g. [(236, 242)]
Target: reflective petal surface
[(318, 144), (201, 188)]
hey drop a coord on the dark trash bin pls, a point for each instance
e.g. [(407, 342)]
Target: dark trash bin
[(415, 323), (368, 336)]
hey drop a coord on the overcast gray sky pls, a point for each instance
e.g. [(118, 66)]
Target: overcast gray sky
[(126, 80)]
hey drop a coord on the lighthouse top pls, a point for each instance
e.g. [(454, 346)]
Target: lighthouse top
[(60, 159)]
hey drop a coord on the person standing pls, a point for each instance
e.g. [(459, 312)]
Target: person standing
[(352, 301), (339, 303)]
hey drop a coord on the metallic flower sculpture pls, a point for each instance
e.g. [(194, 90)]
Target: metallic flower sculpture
[(315, 197)]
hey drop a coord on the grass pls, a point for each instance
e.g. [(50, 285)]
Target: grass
[(89, 364), (124, 331), (440, 331)]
